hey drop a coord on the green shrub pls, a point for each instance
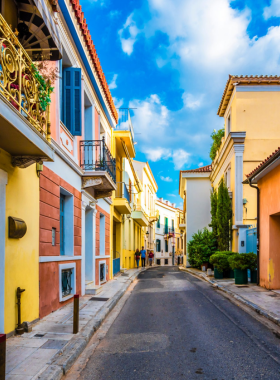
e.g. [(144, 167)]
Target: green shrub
[(243, 261), (220, 260), (201, 247)]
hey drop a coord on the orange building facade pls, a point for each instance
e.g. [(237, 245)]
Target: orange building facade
[(267, 179)]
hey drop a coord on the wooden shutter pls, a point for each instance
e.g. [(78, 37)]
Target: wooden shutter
[(72, 100)]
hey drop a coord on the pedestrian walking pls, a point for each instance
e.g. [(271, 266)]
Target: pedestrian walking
[(137, 257), (143, 257), (151, 256)]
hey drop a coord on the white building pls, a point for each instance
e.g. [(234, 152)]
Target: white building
[(168, 237), (195, 190)]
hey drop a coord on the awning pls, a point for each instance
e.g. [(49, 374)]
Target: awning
[(38, 32)]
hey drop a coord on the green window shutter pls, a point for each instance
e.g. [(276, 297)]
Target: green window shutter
[(166, 245), (72, 100), (166, 225), (158, 222)]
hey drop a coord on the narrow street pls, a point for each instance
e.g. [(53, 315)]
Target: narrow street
[(175, 326)]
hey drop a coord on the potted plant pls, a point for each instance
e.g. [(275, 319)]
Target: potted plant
[(220, 262), (241, 262), (228, 272), (252, 258)]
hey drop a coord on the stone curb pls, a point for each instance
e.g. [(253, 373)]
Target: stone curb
[(65, 358), (272, 317)]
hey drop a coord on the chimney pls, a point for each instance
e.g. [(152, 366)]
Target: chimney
[(161, 199), (173, 205)]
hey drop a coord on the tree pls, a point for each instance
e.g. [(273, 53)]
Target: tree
[(217, 140), (214, 200), (224, 214)]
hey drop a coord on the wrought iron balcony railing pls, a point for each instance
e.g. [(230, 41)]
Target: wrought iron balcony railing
[(20, 81), (122, 191), (96, 156), (124, 122)]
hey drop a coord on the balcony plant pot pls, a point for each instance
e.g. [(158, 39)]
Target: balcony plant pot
[(241, 276), (218, 275), (254, 277)]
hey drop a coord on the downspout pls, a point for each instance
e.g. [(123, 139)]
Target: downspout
[(258, 230)]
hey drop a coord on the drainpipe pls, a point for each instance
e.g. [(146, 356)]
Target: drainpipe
[(258, 230)]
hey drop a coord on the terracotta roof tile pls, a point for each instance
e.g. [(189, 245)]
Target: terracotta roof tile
[(262, 165), (92, 51), (246, 80), (203, 169)]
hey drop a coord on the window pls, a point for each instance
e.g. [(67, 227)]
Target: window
[(178, 243), (158, 222), (62, 226), (172, 223), (102, 234), (158, 245), (66, 223), (166, 245), (67, 281), (72, 100), (166, 225), (228, 125)]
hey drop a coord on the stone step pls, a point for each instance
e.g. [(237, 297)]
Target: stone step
[(93, 289)]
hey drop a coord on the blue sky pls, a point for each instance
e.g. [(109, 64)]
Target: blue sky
[(170, 59)]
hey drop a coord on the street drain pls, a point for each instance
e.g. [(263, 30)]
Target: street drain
[(273, 295), (98, 299), (125, 274), (39, 335)]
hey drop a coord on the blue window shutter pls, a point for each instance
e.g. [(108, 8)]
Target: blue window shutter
[(72, 104)]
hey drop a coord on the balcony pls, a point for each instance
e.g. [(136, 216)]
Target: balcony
[(124, 132), (99, 168), (122, 199), (24, 117), (139, 215)]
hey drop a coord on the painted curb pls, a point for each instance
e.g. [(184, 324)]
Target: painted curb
[(65, 358), (273, 318)]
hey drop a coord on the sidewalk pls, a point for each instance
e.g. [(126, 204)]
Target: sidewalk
[(263, 301), (51, 348)]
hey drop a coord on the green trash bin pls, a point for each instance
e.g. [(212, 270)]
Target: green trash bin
[(218, 275), (254, 278), (241, 276)]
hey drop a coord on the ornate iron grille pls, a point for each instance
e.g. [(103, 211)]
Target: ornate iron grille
[(66, 282), (95, 155)]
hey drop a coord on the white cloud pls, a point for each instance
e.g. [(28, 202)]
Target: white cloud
[(192, 102), (118, 102), (113, 84), (166, 179), (273, 10), (114, 14), (129, 28), (172, 195), (180, 158), (156, 154), (200, 164)]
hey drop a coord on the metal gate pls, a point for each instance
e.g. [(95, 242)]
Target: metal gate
[(251, 240), (116, 263)]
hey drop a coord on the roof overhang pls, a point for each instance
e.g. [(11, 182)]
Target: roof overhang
[(42, 40), (264, 170)]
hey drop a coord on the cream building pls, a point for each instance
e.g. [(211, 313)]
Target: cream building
[(168, 234)]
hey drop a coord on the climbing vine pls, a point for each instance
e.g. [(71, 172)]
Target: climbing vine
[(45, 80), (217, 140)]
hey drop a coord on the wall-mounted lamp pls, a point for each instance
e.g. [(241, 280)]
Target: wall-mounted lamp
[(39, 169), (147, 233)]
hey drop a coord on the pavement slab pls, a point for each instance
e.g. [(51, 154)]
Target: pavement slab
[(31, 357)]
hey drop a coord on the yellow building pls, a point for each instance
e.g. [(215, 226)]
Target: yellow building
[(125, 233), (250, 108), (24, 141), (145, 207)]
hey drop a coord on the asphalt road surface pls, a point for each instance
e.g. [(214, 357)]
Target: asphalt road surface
[(175, 326)]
